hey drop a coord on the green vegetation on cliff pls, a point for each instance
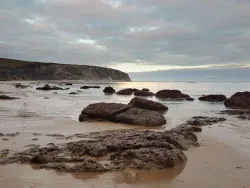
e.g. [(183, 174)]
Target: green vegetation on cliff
[(11, 69)]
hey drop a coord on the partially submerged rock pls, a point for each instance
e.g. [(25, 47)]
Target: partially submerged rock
[(122, 113), (243, 114), (239, 100), (21, 86), (109, 90), (213, 98), (89, 87), (144, 93), (204, 120), (73, 93), (127, 91), (5, 97), (148, 104), (48, 88), (173, 95)]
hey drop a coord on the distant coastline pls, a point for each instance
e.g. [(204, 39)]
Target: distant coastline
[(11, 69)]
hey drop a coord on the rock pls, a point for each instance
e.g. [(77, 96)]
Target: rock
[(144, 93), (137, 116), (173, 95), (145, 89), (213, 98), (147, 104), (122, 113), (104, 110), (48, 88), (239, 100), (73, 93), (204, 120), (5, 97), (127, 91), (36, 134), (12, 134), (41, 159), (243, 114), (34, 139), (109, 90), (88, 87), (21, 86), (1, 134)]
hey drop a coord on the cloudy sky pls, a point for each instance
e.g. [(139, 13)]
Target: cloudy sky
[(129, 35)]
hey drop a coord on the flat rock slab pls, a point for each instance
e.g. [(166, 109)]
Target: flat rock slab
[(5, 97)]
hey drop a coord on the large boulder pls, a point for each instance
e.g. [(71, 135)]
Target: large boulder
[(213, 98), (172, 95), (103, 110), (127, 91), (239, 100), (47, 87), (122, 113), (138, 116), (147, 104), (109, 90), (144, 93)]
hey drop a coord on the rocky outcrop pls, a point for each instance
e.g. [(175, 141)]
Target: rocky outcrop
[(25, 70), (127, 91), (114, 150), (147, 104), (239, 100), (173, 95), (48, 88), (5, 97), (122, 113), (213, 98), (109, 90), (89, 87)]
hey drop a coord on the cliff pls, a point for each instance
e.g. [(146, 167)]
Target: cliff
[(11, 69)]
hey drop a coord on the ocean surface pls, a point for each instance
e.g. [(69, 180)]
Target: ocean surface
[(57, 112)]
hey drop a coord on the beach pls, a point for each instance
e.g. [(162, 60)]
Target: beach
[(222, 160)]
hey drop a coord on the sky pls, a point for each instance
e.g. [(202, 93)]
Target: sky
[(134, 36)]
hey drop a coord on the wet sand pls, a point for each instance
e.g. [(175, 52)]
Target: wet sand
[(213, 164)]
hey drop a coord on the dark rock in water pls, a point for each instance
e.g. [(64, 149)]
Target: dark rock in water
[(73, 93), (5, 97), (144, 93), (138, 116), (239, 100), (213, 98), (122, 113), (68, 84), (89, 87), (145, 89), (204, 120), (48, 88), (18, 85), (1, 134), (12, 134), (173, 95), (127, 91), (109, 90), (148, 104)]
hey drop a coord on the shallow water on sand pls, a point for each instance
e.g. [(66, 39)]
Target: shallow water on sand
[(47, 112)]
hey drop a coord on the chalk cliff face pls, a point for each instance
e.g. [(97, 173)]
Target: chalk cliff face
[(25, 70)]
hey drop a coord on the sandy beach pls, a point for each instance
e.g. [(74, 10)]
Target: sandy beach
[(222, 160)]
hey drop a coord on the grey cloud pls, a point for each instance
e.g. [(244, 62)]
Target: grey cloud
[(160, 32)]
